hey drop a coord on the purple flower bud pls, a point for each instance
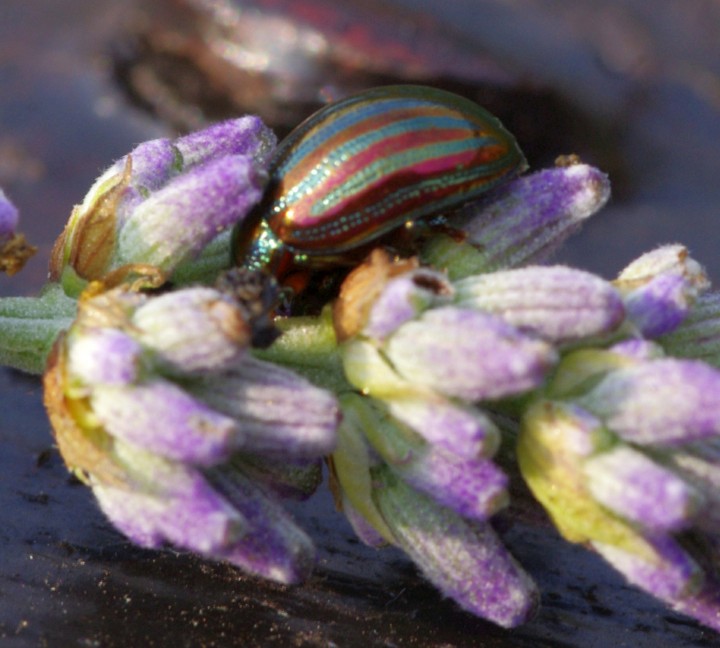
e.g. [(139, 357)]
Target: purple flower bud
[(179, 507), (557, 303), (659, 306), (193, 330), (105, 357), (163, 203), (9, 217), (179, 220), (464, 560), (467, 354), (661, 402), (640, 490), (473, 488), (14, 249), (404, 298), (220, 514), (669, 573), (277, 411), (672, 576), (163, 418), (523, 221), (665, 260), (462, 430), (273, 546), (246, 136)]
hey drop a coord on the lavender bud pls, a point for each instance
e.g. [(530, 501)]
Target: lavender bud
[(465, 561), (666, 260), (9, 217), (522, 222), (14, 249), (246, 136), (164, 203), (669, 573), (193, 330), (661, 402), (460, 429), (467, 354), (632, 485), (179, 220), (557, 303)]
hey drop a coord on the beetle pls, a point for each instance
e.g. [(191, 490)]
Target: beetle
[(367, 165)]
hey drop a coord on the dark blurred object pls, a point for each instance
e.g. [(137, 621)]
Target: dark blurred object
[(194, 61)]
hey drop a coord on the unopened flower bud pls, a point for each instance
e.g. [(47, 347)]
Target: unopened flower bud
[(523, 221), (557, 303)]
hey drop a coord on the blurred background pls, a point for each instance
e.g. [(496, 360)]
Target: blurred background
[(632, 87)]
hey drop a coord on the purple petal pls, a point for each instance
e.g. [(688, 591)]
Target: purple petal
[(659, 306), (193, 330), (153, 164), (163, 418), (664, 401), (277, 411), (644, 492), (273, 547), (104, 357), (9, 217), (465, 560), (473, 488), (464, 431), (669, 574), (193, 516), (246, 136), (557, 303), (467, 354), (179, 220), (524, 221), (403, 298)]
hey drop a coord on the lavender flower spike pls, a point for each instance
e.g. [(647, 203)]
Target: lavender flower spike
[(157, 404), (522, 222)]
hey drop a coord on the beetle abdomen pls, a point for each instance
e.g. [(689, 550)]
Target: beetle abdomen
[(369, 163)]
